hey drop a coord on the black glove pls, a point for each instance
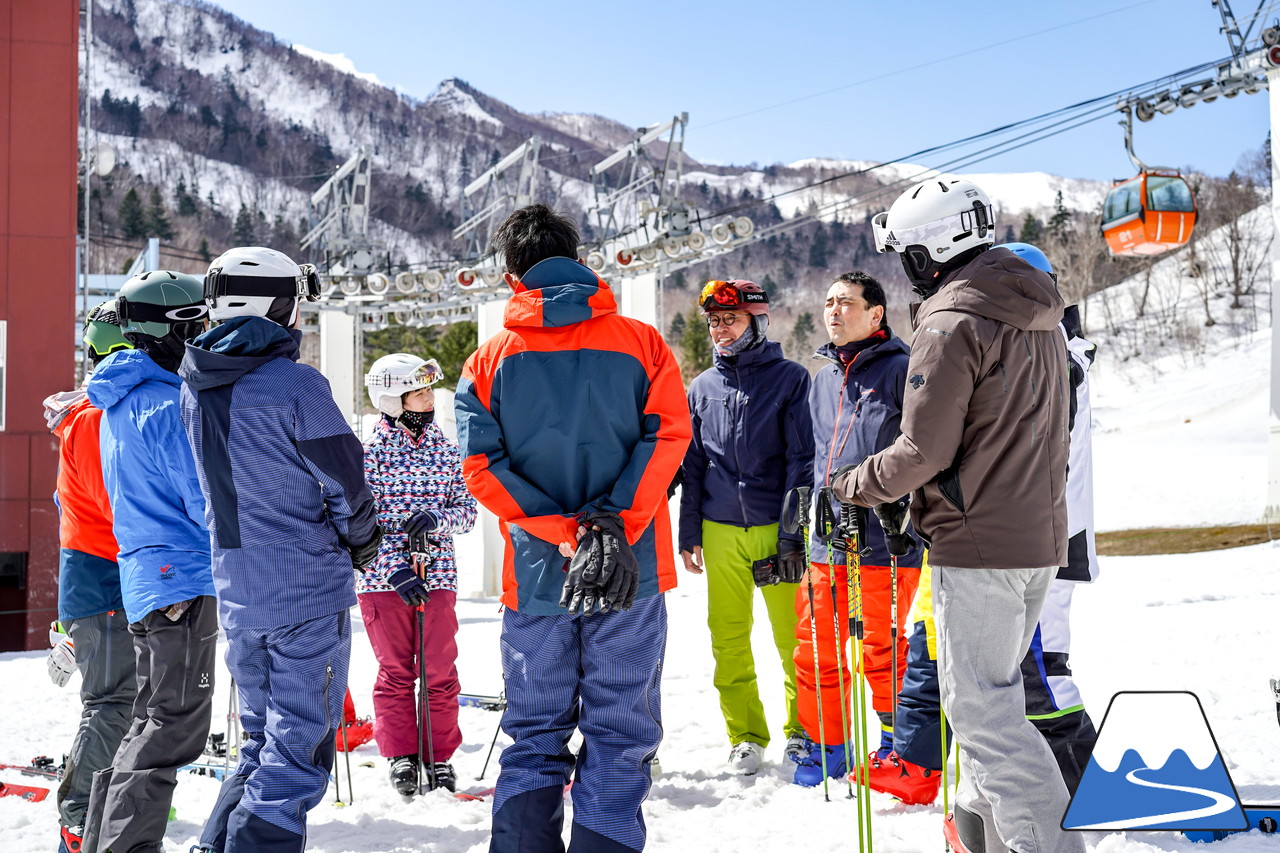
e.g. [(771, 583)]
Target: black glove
[(765, 572), (420, 523), (893, 518), (620, 571), (411, 588), (579, 592), (790, 561), (362, 556), (603, 574)]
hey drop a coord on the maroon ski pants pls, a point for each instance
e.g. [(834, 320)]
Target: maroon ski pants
[(392, 628)]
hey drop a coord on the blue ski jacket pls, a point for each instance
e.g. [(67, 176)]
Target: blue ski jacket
[(283, 474), (150, 477), (752, 442), (857, 411)]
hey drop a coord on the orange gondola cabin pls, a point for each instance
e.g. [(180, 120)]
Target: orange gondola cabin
[(1150, 214)]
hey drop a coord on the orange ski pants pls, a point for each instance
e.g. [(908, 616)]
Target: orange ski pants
[(877, 660)]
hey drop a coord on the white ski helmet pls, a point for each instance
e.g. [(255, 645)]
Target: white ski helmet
[(254, 281), (932, 223), (393, 376)]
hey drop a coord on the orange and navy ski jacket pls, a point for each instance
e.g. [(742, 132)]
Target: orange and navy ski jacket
[(571, 409), (88, 576)]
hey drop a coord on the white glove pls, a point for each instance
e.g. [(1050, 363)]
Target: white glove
[(62, 662)]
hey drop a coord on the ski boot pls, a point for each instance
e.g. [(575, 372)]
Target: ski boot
[(445, 776), (404, 774), (797, 749), (70, 839), (745, 758), (886, 742), (894, 775), (809, 769), (964, 832)]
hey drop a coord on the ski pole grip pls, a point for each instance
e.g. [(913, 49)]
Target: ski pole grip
[(795, 509), (824, 515), (853, 526)]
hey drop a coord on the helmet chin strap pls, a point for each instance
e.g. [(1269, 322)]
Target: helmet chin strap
[(928, 280)]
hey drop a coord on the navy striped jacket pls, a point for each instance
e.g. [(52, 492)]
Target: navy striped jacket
[(282, 472)]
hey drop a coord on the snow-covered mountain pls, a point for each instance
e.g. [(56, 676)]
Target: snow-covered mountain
[(186, 90)]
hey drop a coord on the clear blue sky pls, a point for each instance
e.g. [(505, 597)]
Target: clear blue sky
[(735, 66)]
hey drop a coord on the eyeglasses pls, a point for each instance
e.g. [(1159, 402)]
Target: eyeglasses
[(719, 318)]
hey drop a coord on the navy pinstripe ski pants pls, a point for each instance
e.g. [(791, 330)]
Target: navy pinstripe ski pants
[(601, 675)]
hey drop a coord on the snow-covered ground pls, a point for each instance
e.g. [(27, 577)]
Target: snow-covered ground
[(1180, 447)]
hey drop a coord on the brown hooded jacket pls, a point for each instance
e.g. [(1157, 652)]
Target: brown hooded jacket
[(984, 422)]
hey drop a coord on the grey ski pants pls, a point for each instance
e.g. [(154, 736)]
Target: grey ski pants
[(1008, 776), (129, 802), (108, 688)]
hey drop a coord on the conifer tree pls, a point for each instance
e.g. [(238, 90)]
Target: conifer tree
[(696, 343), (133, 221), (243, 233), (158, 224)]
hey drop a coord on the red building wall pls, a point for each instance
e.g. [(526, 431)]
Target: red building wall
[(39, 82)]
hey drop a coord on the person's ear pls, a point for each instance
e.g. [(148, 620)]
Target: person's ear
[(513, 282)]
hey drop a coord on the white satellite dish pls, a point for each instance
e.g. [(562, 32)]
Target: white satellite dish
[(104, 159)]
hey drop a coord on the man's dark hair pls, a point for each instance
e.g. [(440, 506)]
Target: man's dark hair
[(533, 234), (872, 291)]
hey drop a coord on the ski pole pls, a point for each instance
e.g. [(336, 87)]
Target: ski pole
[(422, 557), (233, 725), (493, 742), (426, 758), (852, 527), (893, 521), (795, 517), (346, 757), (337, 777), (825, 519)]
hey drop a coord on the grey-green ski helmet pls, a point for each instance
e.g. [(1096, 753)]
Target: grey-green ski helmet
[(152, 303), (102, 333)]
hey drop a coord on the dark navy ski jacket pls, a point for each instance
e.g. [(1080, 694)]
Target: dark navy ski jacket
[(857, 411), (282, 472), (752, 442)]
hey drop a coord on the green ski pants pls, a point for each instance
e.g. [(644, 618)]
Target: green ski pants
[(729, 552)]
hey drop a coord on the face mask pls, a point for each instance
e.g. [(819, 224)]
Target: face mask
[(415, 421), (749, 338)]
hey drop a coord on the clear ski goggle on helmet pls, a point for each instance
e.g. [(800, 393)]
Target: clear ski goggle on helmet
[(957, 225), (424, 375)]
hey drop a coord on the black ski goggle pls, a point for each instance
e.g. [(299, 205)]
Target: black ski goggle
[(147, 312), (306, 286)]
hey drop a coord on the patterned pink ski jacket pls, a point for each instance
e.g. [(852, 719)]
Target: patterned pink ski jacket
[(405, 476)]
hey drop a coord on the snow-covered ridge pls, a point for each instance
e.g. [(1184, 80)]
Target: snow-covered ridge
[(340, 62), (449, 94), (1010, 192)]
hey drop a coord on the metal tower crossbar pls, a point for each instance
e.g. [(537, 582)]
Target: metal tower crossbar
[(506, 186)]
